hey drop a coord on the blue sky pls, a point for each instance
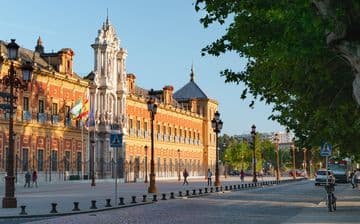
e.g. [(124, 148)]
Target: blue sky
[(163, 38)]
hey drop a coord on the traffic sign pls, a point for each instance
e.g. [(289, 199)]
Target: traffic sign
[(326, 149), (116, 140)]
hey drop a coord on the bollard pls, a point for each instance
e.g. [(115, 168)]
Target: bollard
[(172, 195), (93, 204), (194, 192), (108, 203), (154, 197), (230, 188), (180, 193), (121, 199), (217, 189), (23, 212), (206, 190), (226, 188), (133, 199), (238, 187), (187, 193), (76, 206), (221, 188), (211, 189), (200, 191), (234, 187), (53, 210), (144, 198), (163, 197)]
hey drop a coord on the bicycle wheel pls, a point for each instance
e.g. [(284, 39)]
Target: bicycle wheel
[(329, 203)]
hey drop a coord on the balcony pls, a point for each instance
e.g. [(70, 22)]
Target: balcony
[(139, 133), (26, 115), (159, 136), (146, 134), (132, 132), (55, 119), (42, 118), (68, 122)]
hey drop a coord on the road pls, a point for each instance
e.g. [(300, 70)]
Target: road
[(299, 202)]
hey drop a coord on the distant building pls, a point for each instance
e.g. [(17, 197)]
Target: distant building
[(47, 139)]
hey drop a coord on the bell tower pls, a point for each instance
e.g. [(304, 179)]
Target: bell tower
[(108, 92)]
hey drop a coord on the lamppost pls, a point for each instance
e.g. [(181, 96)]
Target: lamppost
[(92, 141), (14, 83), (152, 108), (217, 124), (146, 149), (277, 156), (305, 163), (293, 157), (253, 135), (179, 177)]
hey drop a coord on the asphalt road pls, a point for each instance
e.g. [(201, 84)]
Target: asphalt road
[(276, 204)]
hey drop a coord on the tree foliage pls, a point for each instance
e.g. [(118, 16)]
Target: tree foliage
[(290, 66)]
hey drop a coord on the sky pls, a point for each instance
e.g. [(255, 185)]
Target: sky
[(163, 39)]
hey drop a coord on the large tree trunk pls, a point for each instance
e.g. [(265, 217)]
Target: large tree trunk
[(344, 38)]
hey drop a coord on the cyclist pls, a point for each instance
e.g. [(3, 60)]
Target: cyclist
[(330, 188)]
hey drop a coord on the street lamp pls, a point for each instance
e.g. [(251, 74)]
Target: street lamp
[(14, 83), (92, 141), (277, 156), (146, 149), (293, 157), (253, 135), (217, 124), (305, 163), (152, 108), (179, 177)]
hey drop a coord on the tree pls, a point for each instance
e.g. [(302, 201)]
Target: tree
[(291, 65)]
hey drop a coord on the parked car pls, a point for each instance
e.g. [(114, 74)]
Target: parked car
[(299, 173), (320, 177)]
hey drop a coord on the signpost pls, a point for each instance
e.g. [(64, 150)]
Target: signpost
[(116, 142), (325, 150)]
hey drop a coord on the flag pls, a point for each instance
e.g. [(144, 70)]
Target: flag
[(76, 110), (84, 110), (90, 121)]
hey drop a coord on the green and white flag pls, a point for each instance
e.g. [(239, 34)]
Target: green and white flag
[(76, 110)]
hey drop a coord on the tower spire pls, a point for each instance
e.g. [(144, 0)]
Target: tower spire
[(107, 16), (192, 74)]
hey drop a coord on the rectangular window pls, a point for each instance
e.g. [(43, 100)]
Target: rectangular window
[(41, 106), (164, 130), (175, 132), (67, 111), (40, 160), (54, 160), (78, 161), (130, 123), (138, 127), (26, 103), (145, 126), (54, 109), (67, 160), (169, 131), (25, 159), (158, 128)]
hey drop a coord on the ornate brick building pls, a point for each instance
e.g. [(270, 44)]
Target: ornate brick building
[(49, 141)]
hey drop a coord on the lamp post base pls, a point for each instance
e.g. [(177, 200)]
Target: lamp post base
[(9, 201), (152, 187), (217, 182)]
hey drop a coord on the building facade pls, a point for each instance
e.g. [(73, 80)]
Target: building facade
[(49, 141)]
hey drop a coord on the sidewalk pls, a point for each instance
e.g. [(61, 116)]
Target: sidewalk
[(38, 200)]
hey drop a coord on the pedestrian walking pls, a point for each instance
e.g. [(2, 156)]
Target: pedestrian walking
[(34, 179), (209, 175), (185, 175), (242, 174), (27, 179), (355, 178)]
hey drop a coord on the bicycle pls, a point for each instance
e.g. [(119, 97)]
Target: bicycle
[(330, 197)]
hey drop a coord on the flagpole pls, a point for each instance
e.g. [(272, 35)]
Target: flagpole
[(82, 150)]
